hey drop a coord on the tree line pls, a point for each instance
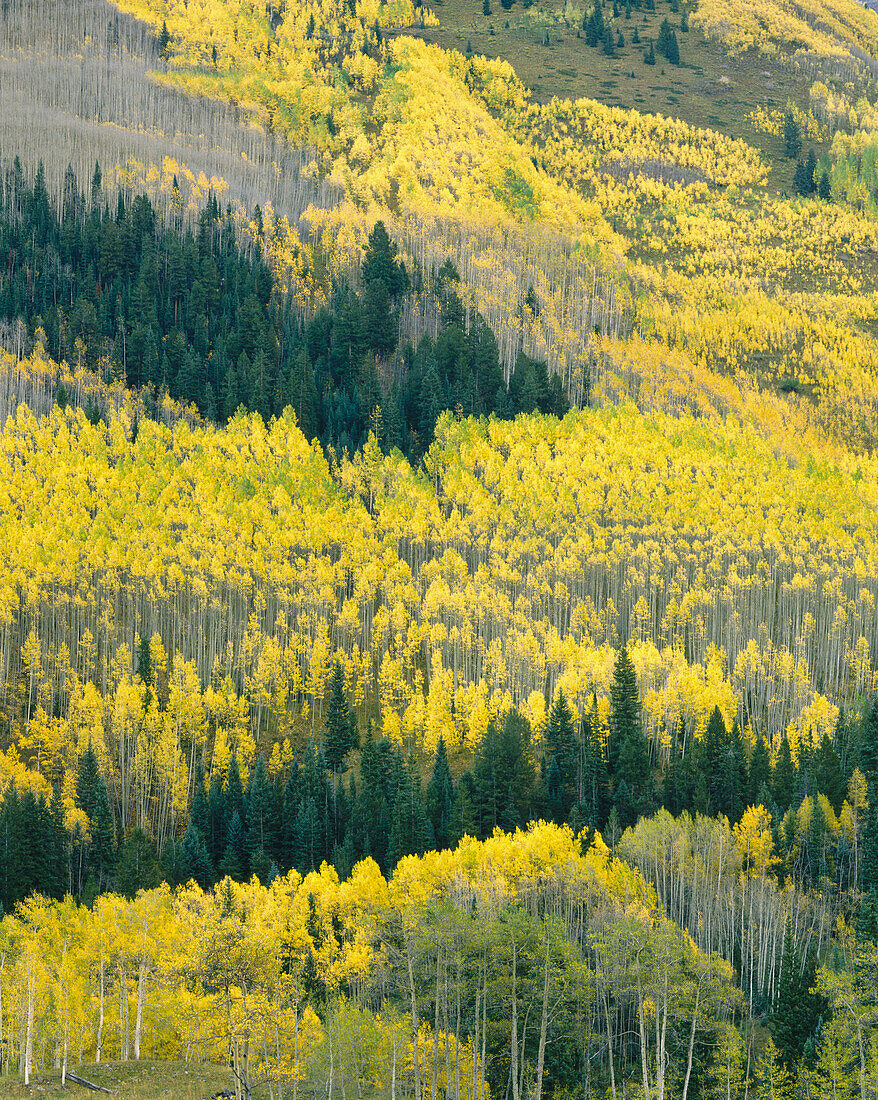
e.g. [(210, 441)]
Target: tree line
[(191, 313), (298, 810)]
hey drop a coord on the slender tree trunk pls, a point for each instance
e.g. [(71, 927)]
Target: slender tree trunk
[(100, 1039), (141, 987), (610, 1046), (691, 1048), (544, 1020), (415, 1063), (29, 1037), (435, 1081), (644, 1053), (513, 1051), (123, 1014)]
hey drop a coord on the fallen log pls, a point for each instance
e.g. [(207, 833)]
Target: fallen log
[(88, 1084)]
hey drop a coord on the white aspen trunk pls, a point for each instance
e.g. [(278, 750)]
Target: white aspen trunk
[(484, 1034), (123, 1014), (331, 1061), (415, 1064), (2, 1048), (295, 1052), (661, 1057), (544, 1020), (101, 1017), (610, 1046), (435, 1080), (141, 988), (29, 1036), (513, 1051), (64, 1060), (691, 1045), (644, 1059)]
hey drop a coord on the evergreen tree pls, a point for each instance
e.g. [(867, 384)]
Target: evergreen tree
[(440, 797), (624, 706), (760, 779), (797, 1011), (824, 188), (828, 775), (562, 751), (785, 782), (340, 737), (138, 868), (199, 814), (88, 780), (103, 838), (595, 798), (260, 817), (792, 135), (234, 861), (195, 860)]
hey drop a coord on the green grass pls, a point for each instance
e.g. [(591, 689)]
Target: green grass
[(144, 1080), (708, 89)]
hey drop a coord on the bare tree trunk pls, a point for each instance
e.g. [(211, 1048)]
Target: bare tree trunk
[(691, 1045), (544, 1019), (415, 1063), (610, 1046), (513, 1051), (141, 987), (29, 1038)]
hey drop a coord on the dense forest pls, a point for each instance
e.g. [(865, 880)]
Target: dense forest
[(438, 547)]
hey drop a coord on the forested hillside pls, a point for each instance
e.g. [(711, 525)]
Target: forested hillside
[(438, 546)]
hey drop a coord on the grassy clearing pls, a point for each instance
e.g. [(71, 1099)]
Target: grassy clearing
[(708, 88), (132, 1080)]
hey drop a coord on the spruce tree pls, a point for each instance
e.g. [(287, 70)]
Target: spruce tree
[(195, 860), (260, 833), (792, 135), (440, 796), (785, 782), (563, 753), (759, 786), (87, 782), (594, 783), (624, 706), (340, 737)]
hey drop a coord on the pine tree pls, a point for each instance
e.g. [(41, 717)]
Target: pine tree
[(87, 782), (797, 1011), (792, 135), (760, 784), (234, 861), (195, 860), (594, 784), (624, 706), (199, 814), (828, 774), (164, 41), (340, 737), (380, 263), (562, 750), (260, 831), (440, 796), (103, 838), (785, 782), (138, 868)]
